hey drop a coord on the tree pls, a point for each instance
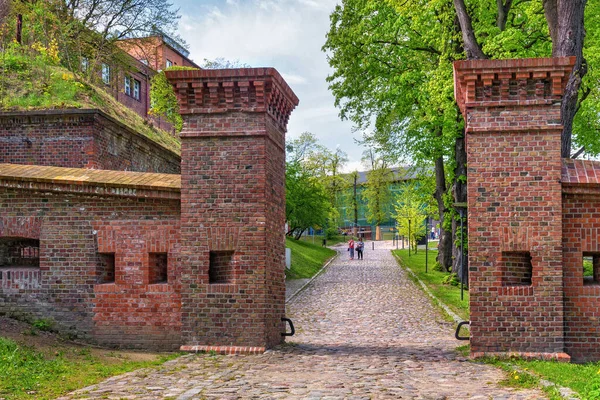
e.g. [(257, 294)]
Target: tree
[(377, 189), (411, 214), (565, 21), (222, 63), (91, 29), (392, 64), (307, 201)]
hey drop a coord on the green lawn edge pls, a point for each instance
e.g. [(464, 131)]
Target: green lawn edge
[(307, 258), (26, 373), (447, 294)]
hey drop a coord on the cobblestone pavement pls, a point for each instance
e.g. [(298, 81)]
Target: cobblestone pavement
[(363, 331)]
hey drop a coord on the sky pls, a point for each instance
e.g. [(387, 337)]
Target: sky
[(287, 35)]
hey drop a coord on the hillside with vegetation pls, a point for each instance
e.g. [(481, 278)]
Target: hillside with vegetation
[(41, 66)]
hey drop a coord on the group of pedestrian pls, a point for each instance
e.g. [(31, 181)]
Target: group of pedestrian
[(358, 246)]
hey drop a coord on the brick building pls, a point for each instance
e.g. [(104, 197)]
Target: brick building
[(533, 216), (144, 57), (153, 260)]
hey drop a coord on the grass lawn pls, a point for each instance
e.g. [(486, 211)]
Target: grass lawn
[(307, 258), (318, 239), (449, 294), (38, 365)]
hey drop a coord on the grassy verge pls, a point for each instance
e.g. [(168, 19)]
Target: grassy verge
[(582, 378), (318, 239), (440, 283), (307, 258), (30, 373)]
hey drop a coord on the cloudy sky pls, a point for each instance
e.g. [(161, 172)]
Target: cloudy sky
[(285, 34)]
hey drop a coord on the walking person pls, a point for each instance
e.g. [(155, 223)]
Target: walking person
[(359, 249), (351, 248)]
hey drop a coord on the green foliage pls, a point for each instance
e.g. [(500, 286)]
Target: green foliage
[(451, 279), (306, 204), (27, 374), (376, 191), (43, 324), (164, 101), (410, 215), (307, 258), (314, 180)]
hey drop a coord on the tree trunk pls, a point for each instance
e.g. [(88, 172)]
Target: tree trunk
[(472, 48), (444, 257), (19, 28), (503, 10), (459, 190), (565, 22)]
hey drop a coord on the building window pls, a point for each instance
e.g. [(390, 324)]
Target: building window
[(158, 271), (136, 89), (591, 268), (106, 74), (128, 85), (85, 64), (144, 61), (169, 63), (221, 267)]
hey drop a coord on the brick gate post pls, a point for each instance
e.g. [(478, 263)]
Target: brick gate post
[(232, 207), (513, 138)]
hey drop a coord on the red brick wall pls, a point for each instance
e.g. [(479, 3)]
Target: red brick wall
[(514, 202), (72, 230), (581, 230), (79, 139), (232, 200)]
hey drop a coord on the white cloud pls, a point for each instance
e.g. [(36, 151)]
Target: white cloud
[(292, 79), (285, 34)]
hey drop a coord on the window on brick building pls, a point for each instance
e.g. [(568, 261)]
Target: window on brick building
[(516, 268), (169, 63), (19, 252), (105, 272), (221, 267), (158, 268), (591, 268), (137, 85), (85, 64), (106, 74), (127, 85)]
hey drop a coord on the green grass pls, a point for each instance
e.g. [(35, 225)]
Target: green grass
[(582, 378), (307, 258), (447, 293), (330, 242), (29, 374), (29, 83)]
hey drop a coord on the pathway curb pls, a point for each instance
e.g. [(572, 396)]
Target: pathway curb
[(564, 392), (290, 299), (447, 309)]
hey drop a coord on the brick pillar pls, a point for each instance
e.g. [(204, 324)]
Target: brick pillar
[(512, 114), (232, 207)]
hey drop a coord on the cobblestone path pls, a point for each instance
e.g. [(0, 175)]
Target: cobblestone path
[(363, 331)]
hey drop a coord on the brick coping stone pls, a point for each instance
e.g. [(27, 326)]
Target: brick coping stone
[(224, 350)]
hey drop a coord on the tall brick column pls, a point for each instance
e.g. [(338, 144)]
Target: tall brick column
[(232, 207), (512, 115)]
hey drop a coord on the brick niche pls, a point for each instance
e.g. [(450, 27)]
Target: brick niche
[(232, 207)]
